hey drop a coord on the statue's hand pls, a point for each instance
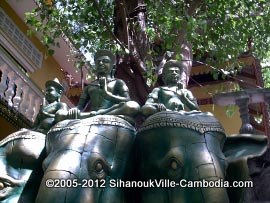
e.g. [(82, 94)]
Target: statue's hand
[(160, 106), (73, 113), (175, 104), (103, 83), (93, 113)]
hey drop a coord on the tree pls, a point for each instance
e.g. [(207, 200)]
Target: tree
[(145, 33)]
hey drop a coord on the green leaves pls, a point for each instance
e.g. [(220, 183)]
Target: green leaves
[(217, 27)]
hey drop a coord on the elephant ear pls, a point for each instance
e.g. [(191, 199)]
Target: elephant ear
[(243, 146)]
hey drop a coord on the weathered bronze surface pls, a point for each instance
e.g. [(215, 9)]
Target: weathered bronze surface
[(172, 96), (96, 150), (86, 150), (46, 117), (107, 95), (188, 146), (98, 145), (20, 170), (20, 160)]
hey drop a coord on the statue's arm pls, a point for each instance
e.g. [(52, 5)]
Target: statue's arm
[(152, 104), (41, 116), (190, 101), (47, 115), (153, 96), (62, 107), (119, 94)]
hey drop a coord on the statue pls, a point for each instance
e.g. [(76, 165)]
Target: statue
[(46, 117), (21, 155), (183, 147), (21, 152), (95, 148), (172, 96), (107, 95), (85, 151), (85, 155)]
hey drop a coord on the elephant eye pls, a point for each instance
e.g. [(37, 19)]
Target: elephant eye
[(174, 168), (99, 167), (174, 165)]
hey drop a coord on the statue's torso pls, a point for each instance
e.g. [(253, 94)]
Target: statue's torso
[(97, 95), (168, 95)]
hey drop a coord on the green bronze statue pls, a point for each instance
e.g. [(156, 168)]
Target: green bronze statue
[(96, 146), (181, 144), (21, 152), (188, 148), (20, 166), (106, 95), (86, 154), (172, 96), (86, 150), (46, 117)]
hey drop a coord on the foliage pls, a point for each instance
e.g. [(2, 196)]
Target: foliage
[(220, 29), (266, 76), (78, 20)]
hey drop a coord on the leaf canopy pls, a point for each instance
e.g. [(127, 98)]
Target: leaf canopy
[(222, 29)]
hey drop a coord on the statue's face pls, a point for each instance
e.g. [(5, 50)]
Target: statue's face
[(172, 75), (103, 65), (52, 94)]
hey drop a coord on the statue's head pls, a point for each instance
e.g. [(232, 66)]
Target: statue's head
[(172, 71), (54, 90), (104, 61)]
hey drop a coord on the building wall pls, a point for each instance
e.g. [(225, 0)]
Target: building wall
[(231, 124), (48, 70)]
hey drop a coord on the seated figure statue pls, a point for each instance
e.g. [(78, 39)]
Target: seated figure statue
[(51, 105), (172, 96), (94, 146), (187, 147), (21, 153), (107, 95)]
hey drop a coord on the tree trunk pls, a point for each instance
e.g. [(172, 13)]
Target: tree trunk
[(130, 26), (131, 68)]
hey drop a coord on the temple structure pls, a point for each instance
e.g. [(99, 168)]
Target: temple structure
[(24, 68)]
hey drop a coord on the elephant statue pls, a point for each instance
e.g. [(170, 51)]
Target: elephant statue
[(188, 148), (83, 156), (21, 156)]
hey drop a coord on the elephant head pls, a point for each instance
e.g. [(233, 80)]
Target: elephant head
[(185, 147), (89, 153), (21, 158)]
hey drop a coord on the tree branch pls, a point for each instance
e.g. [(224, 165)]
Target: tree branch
[(123, 12), (103, 20), (193, 5)]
